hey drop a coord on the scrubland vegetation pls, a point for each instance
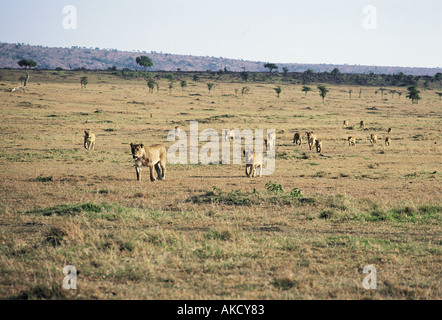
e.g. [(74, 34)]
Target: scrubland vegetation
[(208, 231)]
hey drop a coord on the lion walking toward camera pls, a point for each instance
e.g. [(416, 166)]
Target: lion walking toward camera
[(151, 157), (89, 140), (311, 137), (253, 163), (351, 141)]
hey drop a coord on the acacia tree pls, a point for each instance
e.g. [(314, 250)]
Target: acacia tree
[(307, 76), (210, 86), (306, 89), (438, 77), (84, 81), (413, 94), (144, 61), (322, 92), (271, 67), (151, 85), (335, 72), (382, 89), (245, 75), (277, 90), (27, 64)]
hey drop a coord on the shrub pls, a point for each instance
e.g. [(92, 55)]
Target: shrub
[(43, 179)]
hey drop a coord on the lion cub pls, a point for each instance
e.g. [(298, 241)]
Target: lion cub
[(89, 140), (253, 163)]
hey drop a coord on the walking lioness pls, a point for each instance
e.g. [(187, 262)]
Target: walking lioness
[(351, 141), (297, 139), (311, 137), (153, 156), (253, 163), (318, 145), (89, 140)]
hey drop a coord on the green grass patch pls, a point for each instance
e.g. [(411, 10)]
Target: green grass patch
[(274, 194), (405, 214), (224, 235), (94, 211)]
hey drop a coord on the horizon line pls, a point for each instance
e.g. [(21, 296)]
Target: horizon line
[(206, 56)]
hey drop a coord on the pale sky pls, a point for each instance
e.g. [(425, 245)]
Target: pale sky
[(406, 33)]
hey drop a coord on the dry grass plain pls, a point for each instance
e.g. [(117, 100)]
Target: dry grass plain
[(207, 231)]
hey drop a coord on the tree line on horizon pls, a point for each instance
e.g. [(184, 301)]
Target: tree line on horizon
[(306, 77)]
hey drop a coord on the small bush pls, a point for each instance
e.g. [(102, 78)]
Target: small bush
[(285, 283), (273, 187), (43, 179), (55, 236), (326, 214), (296, 193)]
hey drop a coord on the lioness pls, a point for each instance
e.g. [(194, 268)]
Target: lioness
[(253, 162), (351, 141), (89, 140), (387, 141), (311, 139), (318, 144), (270, 141), (297, 139), (177, 131), (153, 156), (373, 138), (229, 135)]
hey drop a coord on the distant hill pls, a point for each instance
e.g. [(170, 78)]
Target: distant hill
[(102, 59)]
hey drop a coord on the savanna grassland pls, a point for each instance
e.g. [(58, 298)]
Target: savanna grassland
[(208, 231)]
